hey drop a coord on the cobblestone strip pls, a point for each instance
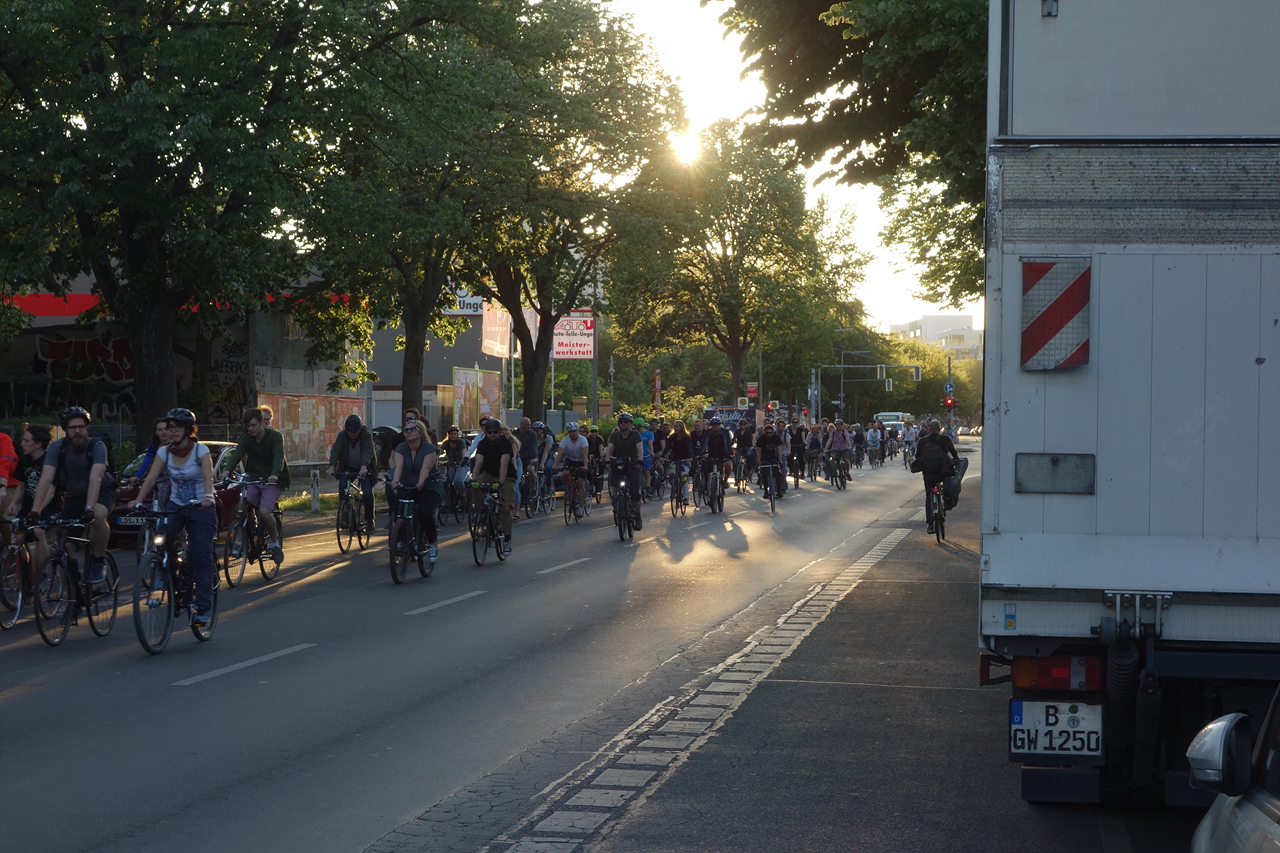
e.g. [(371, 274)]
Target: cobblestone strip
[(587, 803)]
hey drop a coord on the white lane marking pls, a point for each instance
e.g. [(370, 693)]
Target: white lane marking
[(564, 565), (446, 603), (736, 514), (234, 667), (699, 524)]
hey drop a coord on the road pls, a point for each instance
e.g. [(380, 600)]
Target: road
[(336, 711)]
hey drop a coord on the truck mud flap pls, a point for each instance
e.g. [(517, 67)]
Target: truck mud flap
[(1061, 784)]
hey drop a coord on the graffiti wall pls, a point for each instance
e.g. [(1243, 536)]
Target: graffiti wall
[(48, 369), (229, 375), (310, 424)]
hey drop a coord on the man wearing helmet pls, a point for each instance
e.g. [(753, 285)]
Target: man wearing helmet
[(352, 455), (495, 463), (625, 444), (571, 458), (545, 458), (839, 444), (76, 466), (720, 448), (191, 501)]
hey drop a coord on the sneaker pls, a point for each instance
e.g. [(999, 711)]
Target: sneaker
[(928, 529), (637, 522), (237, 549), (577, 510), (506, 547), (433, 552), (199, 617), (97, 574), (277, 553)]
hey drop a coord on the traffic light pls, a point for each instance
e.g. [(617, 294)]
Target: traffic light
[(950, 402)]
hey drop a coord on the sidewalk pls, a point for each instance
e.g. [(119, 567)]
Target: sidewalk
[(872, 735)]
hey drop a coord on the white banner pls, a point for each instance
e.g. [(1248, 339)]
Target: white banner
[(575, 338), (468, 305), (495, 332)]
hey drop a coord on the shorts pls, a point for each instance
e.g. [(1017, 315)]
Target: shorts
[(648, 463), (508, 491), (74, 506), (262, 495)]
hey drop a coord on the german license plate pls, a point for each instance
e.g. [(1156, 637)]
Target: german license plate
[(1061, 729), (130, 520)]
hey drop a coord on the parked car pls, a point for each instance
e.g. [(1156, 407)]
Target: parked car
[(123, 524), (1224, 760)]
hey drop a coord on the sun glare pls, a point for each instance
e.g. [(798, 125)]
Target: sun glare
[(687, 147)]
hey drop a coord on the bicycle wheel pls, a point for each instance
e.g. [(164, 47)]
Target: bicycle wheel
[(529, 494), (235, 554), (266, 564), (205, 632), (495, 533), (675, 494), (569, 501), (621, 516), (104, 598), (153, 604), (10, 579), (344, 526), (54, 599), (479, 535), (420, 554), (364, 532), (398, 543), (940, 518), (772, 489)]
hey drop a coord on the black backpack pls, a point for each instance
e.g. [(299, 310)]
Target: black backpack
[(933, 457), (95, 436)]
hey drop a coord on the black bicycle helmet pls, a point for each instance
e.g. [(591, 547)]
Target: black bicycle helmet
[(353, 422), (182, 416), (73, 412), (716, 421), (625, 416)]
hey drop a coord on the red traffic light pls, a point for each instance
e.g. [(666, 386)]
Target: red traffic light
[(949, 402)]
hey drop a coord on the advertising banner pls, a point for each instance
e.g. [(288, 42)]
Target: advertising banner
[(575, 338), (476, 393), (310, 424), (468, 305), (495, 332)]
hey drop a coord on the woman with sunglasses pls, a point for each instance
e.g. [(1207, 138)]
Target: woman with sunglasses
[(416, 476)]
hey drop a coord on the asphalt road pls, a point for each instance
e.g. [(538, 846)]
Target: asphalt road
[(335, 711)]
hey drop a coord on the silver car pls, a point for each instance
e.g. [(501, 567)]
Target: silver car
[(1224, 759)]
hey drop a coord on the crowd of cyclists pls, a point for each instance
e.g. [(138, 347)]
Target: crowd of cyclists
[(71, 480)]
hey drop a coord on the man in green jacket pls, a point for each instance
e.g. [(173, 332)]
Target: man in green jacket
[(352, 456), (262, 448)]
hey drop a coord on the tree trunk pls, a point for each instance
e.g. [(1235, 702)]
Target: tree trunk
[(536, 362), (415, 344), (736, 378), (155, 389)]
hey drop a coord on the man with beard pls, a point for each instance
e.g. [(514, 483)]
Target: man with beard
[(495, 463), (77, 466)]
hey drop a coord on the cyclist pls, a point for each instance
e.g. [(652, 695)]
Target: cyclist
[(813, 444), (352, 455), (190, 468), (909, 437), (25, 479), (874, 438), (8, 462), (624, 443), (798, 437), (454, 450), (720, 448), (680, 452), (838, 446), (544, 447), (595, 456), (770, 447), (744, 452), (527, 448), (891, 441), (932, 451), (262, 448), (76, 466), (160, 438), (859, 443), (571, 459), (494, 464), (415, 471)]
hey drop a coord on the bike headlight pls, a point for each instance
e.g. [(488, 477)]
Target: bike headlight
[(157, 540)]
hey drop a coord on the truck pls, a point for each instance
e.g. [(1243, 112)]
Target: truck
[(1130, 558)]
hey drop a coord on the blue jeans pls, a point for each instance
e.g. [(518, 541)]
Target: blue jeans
[(201, 524)]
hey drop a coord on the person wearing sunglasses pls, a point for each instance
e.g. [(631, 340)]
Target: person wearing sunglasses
[(416, 476), (494, 463)]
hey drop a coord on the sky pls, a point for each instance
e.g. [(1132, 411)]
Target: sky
[(708, 67)]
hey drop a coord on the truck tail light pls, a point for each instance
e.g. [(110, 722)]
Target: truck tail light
[(1057, 673)]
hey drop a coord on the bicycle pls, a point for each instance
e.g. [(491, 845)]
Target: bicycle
[(247, 542), (740, 474), (840, 473), (166, 588), (859, 453), (697, 484), (404, 540), (596, 466), (529, 490), (62, 589), (574, 511), (17, 578), (452, 503), (873, 455), (347, 522), (814, 460), (623, 514), (769, 489), (797, 468), (676, 478), (486, 523), (715, 489), (658, 477), (546, 493), (908, 452), (939, 511)]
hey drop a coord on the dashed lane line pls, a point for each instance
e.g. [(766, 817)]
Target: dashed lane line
[(446, 602), (567, 565), (198, 678)]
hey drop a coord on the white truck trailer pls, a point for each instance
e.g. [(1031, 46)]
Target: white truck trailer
[(1130, 567)]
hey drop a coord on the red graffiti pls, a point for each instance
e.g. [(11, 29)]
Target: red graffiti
[(87, 359)]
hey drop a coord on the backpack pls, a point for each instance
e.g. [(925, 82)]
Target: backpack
[(95, 437), (932, 458)]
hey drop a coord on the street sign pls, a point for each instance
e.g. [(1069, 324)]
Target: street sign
[(753, 389), (948, 388), (742, 402)]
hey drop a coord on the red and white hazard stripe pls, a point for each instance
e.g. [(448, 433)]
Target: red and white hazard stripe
[(1055, 313)]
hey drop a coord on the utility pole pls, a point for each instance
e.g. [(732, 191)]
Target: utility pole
[(951, 413), (612, 397), (760, 373), (595, 369)]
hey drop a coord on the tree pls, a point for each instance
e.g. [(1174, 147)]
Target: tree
[(598, 111), (165, 148), (886, 91), (743, 260)]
